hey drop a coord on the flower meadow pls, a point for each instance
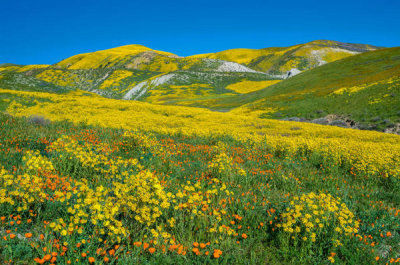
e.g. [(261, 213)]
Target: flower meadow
[(134, 183)]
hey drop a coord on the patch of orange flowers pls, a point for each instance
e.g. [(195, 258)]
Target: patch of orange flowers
[(217, 253)]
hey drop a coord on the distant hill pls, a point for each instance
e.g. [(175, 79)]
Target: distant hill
[(133, 72), (281, 60), (138, 72)]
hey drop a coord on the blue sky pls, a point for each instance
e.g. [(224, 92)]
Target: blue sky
[(34, 32)]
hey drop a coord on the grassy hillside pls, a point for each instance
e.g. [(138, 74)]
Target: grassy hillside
[(364, 87), (115, 72), (282, 59), (127, 182), (19, 77), (107, 58)]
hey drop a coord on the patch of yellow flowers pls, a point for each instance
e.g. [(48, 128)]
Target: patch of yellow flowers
[(147, 142), (112, 205), (368, 152), (35, 162), (318, 217), (223, 164), (93, 156)]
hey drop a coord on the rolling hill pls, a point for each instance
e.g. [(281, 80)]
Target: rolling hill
[(140, 73), (130, 72)]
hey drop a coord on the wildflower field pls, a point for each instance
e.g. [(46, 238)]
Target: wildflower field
[(121, 182)]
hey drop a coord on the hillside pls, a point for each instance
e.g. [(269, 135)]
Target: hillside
[(130, 72), (232, 80), (140, 73), (281, 60)]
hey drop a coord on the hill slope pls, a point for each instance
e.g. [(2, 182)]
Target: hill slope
[(295, 58)]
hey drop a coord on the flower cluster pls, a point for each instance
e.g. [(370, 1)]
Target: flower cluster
[(94, 158), (317, 217), (223, 165)]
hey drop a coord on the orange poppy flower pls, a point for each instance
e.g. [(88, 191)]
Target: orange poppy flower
[(40, 261), (28, 235), (172, 247), (47, 257), (217, 253), (12, 236), (91, 260), (152, 250), (195, 250), (83, 254)]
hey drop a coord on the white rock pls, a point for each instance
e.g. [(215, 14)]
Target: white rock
[(234, 67), (292, 72), (141, 88)]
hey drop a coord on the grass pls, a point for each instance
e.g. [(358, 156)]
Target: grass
[(241, 189)]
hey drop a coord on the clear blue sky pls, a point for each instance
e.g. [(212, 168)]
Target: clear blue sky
[(47, 31)]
